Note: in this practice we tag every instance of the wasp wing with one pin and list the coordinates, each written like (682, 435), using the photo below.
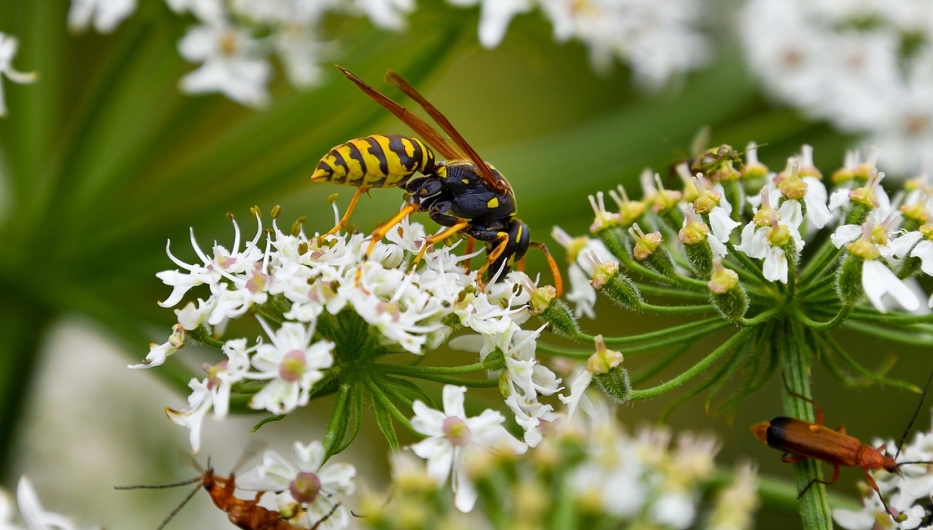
(484, 169)
(427, 133)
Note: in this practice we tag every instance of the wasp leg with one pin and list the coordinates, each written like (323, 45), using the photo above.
(346, 215)
(470, 244)
(492, 256)
(558, 280)
(380, 233)
(463, 223)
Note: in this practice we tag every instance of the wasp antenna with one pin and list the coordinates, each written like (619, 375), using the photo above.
(914, 417)
(159, 486)
(179, 507)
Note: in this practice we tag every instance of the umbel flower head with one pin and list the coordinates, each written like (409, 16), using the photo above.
(334, 321)
(780, 258)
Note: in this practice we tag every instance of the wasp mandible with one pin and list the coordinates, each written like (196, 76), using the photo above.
(462, 193)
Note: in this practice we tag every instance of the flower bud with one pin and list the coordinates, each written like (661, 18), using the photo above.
(753, 169)
(615, 384)
(560, 317)
(623, 291)
(849, 280)
(606, 367)
(629, 211)
(726, 293)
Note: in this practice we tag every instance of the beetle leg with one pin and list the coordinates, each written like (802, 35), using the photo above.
(346, 215)
(791, 458)
(819, 410)
(832, 480)
(874, 486)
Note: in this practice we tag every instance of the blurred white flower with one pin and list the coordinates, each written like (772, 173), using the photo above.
(8, 47)
(233, 63)
(873, 79)
(106, 15)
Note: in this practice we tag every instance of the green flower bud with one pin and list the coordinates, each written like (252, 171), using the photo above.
(726, 293)
(849, 280)
(623, 291)
(615, 384)
(560, 317)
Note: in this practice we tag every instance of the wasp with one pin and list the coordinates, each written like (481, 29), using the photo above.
(801, 439)
(246, 514)
(463, 193)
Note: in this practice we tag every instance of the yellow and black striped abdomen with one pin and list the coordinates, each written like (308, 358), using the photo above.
(376, 161)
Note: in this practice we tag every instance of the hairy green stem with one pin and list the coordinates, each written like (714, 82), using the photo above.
(795, 359)
(696, 369)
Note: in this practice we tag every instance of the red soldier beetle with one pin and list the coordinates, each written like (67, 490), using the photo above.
(801, 439)
(244, 513)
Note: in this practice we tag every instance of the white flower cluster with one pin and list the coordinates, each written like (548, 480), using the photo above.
(235, 41)
(867, 67)
(30, 510)
(787, 211)
(658, 39)
(303, 280)
(907, 492)
(306, 491)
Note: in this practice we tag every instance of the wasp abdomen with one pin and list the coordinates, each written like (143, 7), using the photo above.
(376, 161)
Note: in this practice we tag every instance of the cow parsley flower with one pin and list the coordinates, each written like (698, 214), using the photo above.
(452, 437)
(308, 490)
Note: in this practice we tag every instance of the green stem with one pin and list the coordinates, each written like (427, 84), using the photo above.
(23, 323)
(872, 315)
(819, 263)
(696, 369)
(760, 318)
(419, 371)
(658, 290)
(795, 359)
(902, 337)
(337, 427)
(836, 321)
(674, 310)
(670, 337)
(379, 396)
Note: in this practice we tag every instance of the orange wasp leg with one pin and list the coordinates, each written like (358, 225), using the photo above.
(460, 225)
(346, 215)
(380, 233)
(492, 256)
(555, 271)
(470, 245)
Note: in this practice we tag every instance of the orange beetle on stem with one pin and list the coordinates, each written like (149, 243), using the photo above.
(801, 439)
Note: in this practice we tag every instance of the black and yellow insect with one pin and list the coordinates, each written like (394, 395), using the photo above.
(463, 193)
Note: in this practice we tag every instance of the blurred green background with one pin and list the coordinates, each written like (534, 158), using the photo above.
(103, 159)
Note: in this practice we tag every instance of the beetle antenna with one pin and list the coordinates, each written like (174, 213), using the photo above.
(159, 486)
(178, 508)
(914, 417)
